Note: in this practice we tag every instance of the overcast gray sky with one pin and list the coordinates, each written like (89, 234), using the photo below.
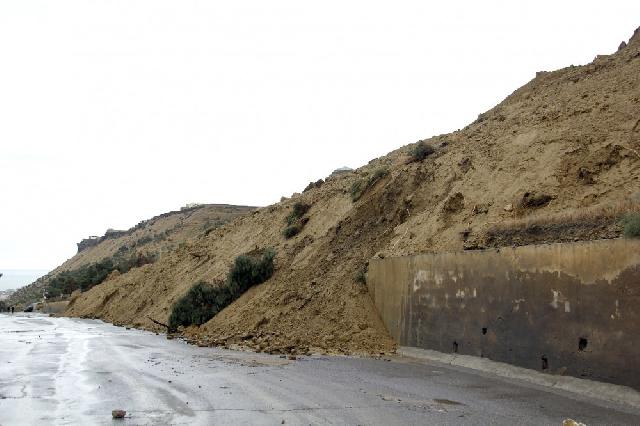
(114, 111)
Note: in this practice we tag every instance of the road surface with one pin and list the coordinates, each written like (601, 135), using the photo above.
(71, 371)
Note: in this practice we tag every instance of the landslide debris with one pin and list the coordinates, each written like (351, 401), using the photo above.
(565, 142)
(149, 238)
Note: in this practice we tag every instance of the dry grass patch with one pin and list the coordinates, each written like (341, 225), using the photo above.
(580, 225)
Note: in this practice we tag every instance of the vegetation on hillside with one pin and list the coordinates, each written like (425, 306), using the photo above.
(631, 225)
(359, 187)
(203, 301)
(160, 234)
(419, 151)
(93, 274)
(296, 220)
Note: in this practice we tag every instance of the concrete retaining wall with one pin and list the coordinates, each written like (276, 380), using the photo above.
(561, 308)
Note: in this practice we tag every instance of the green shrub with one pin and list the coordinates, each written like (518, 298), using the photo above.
(199, 305)
(631, 225)
(291, 231)
(361, 276)
(419, 151)
(299, 210)
(248, 271)
(87, 276)
(142, 241)
(136, 260)
(203, 301)
(316, 184)
(378, 174)
(359, 187)
(295, 220)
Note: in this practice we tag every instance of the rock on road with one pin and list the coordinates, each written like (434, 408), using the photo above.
(71, 371)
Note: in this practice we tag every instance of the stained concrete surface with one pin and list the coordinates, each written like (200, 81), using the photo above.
(568, 309)
(71, 371)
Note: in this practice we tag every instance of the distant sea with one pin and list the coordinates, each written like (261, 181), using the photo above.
(16, 278)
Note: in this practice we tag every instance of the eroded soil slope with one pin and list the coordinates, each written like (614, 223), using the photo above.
(565, 143)
(155, 236)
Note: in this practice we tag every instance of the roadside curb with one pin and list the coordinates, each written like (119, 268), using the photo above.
(591, 388)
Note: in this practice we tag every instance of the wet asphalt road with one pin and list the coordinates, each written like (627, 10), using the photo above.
(69, 371)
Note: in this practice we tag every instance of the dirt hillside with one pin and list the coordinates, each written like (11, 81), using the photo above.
(157, 236)
(558, 159)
